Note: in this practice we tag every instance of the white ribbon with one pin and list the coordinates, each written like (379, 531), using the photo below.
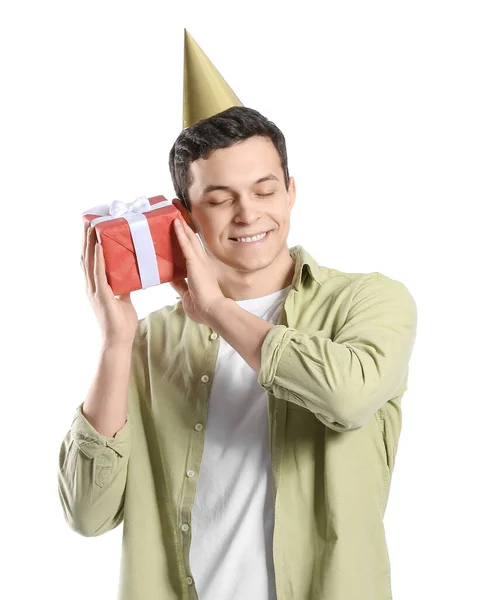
(140, 232)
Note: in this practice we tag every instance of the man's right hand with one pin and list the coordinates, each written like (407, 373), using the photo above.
(117, 317)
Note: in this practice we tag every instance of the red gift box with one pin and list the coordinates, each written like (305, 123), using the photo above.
(121, 264)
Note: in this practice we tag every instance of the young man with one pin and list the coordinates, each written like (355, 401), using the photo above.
(264, 408)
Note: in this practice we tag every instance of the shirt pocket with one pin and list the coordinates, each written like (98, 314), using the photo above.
(102, 471)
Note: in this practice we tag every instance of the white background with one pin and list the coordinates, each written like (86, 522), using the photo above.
(379, 105)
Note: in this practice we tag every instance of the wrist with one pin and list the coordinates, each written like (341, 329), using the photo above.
(218, 310)
(119, 345)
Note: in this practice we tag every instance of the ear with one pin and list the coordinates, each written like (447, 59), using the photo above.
(292, 192)
(184, 213)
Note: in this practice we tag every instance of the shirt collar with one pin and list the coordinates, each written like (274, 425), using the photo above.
(303, 260)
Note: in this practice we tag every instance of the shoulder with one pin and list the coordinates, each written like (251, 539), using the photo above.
(359, 291)
(361, 280)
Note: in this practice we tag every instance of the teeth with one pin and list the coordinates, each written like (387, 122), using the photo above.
(252, 239)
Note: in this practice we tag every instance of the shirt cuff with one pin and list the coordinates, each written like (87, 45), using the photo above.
(92, 443)
(274, 343)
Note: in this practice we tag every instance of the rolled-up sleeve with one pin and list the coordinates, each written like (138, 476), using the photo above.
(345, 380)
(92, 473)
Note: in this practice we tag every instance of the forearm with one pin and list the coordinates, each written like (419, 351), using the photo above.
(94, 454)
(105, 407)
(243, 331)
(344, 379)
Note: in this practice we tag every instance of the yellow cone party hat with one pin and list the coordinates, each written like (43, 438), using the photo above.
(205, 92)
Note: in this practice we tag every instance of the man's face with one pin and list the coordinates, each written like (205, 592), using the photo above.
(240, 192)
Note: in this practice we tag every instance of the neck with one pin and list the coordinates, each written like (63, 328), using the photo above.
(241, 285)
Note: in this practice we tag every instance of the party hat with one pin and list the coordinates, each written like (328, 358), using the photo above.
(205, 92)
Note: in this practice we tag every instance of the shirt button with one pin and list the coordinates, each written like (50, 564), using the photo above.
(213, 336)
(190, 473)
(185, 527)
(189, 581)
(198, 426)
(205, 378)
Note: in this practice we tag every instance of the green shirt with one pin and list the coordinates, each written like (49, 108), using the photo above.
(335, 369)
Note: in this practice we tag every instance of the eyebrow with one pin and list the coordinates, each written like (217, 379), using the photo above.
(212, 188)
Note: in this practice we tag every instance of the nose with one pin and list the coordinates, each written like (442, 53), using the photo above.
(247, 209)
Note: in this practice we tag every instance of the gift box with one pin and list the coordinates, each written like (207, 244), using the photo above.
(139, 242)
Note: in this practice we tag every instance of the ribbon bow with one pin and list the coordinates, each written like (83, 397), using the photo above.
(119, 208)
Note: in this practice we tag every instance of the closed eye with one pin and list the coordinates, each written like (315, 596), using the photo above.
(218, 203)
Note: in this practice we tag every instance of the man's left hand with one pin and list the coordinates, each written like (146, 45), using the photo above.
(202, 292)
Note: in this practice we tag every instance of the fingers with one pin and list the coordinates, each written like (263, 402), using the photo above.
(98, 265)
(89, 260)
(188, 240)
(194, 239)
(93, 264)
(83, 248)
(101, 282)
(181, 235)
(189, 233)
(180, 286)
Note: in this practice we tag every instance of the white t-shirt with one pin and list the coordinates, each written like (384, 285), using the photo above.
(231, 554)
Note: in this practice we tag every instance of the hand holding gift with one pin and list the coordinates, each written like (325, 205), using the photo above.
(202, 293)
(117, 317)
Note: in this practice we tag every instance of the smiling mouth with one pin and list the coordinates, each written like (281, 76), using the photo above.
(254, 243)
(250, 236)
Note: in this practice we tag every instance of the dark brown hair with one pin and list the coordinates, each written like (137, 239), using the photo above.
(219, 131)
